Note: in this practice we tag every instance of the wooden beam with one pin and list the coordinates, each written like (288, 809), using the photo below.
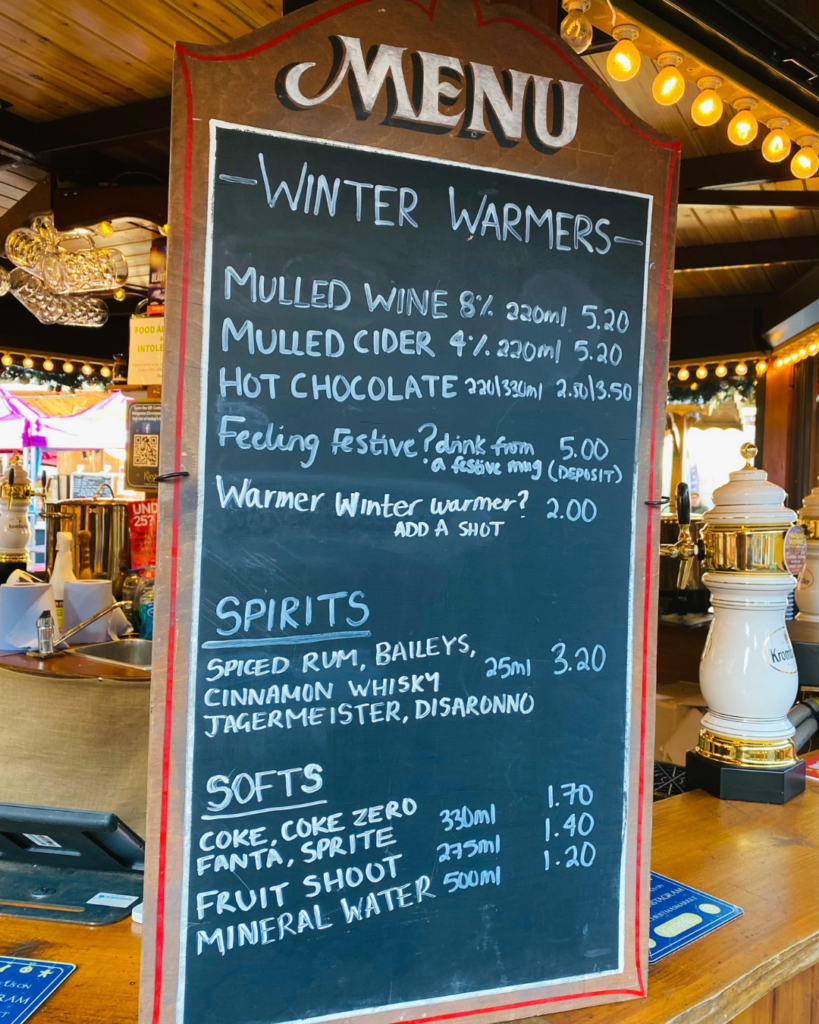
(710, 305)
(790, 199)
(743, 167)
(17, 138)
(111, 126)
(712, 334)
(36, 142)
(794, 310)
(79, 207)
(747, 254)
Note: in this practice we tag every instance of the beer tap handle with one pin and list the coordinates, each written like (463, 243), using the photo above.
(11, 485)
(686, 548)
(683, 497)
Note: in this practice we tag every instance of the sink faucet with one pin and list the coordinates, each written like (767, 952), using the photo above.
(45, 634)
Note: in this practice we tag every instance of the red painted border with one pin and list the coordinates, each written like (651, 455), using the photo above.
(159, 942)
(674, 148)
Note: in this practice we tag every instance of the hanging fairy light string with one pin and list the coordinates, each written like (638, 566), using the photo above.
(16, 365)
(700, 381)
(625, 59)
(693, 372)
(690, 373)
(804, 347)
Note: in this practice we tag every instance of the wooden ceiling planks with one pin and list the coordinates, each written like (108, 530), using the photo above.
(737, 281)
(28, 91)
(122, 64)
(58, 59)
(63, 57)
(708, 225)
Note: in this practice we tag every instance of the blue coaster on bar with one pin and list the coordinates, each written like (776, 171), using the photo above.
(26, 984)
(680, 914)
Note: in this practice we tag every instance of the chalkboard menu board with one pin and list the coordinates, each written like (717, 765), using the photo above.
(405, 586)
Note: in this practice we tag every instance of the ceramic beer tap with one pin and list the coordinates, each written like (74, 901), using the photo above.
(15, 533)
(748, 673)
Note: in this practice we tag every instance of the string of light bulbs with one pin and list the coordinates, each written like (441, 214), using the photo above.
(623, 62)
(796, 353)
(48, 365)
(681, 371)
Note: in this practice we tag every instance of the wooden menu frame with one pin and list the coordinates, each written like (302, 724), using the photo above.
(237, 83)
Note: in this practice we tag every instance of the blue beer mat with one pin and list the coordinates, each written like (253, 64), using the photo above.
(680, 914)
(26, 984)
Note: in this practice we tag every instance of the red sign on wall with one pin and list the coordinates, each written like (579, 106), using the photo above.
(142, 525)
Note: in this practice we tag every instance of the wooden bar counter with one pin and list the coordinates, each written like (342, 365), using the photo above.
(755, 970)
(74, 733)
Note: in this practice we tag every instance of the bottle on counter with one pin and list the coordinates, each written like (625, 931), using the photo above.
(62, 571)
(130, 585)
(144, 601)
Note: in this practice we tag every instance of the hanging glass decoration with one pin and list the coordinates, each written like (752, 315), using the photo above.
(70, 310)
(66, 261)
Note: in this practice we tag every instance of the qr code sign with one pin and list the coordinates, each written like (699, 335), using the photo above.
(146, 450)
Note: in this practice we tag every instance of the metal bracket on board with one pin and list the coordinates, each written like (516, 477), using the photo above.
(170, 476)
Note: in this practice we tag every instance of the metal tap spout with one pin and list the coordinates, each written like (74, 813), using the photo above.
(43, 652)
(685, 547)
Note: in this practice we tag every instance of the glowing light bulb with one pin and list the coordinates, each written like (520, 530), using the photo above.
(6, 360)
(812, 347)
(576, 29)
(683, 374)
(806, 162)
(761, 367)
(119, 294)
(702, 372)
(68, 367)
(48, 366)
(28, 362)
(776, 146)
(86, 369)
(803, 353)
(786, 360)
(721, 370)
(707, 107)
(668, 87)
(743, 126)
(105, 228)
(105, 371)
(694, 386)
(623, 61)
(778, 364)
(740, 369)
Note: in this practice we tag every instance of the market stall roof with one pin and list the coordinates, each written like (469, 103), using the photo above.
(103, 423)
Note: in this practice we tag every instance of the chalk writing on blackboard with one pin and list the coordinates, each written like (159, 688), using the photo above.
(414, 568)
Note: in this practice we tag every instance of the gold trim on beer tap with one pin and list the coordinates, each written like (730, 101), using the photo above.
(751, 753)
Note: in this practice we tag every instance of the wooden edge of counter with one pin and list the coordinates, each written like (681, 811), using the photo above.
(73, 666)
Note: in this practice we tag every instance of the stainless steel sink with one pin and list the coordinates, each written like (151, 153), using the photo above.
(135, 653)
